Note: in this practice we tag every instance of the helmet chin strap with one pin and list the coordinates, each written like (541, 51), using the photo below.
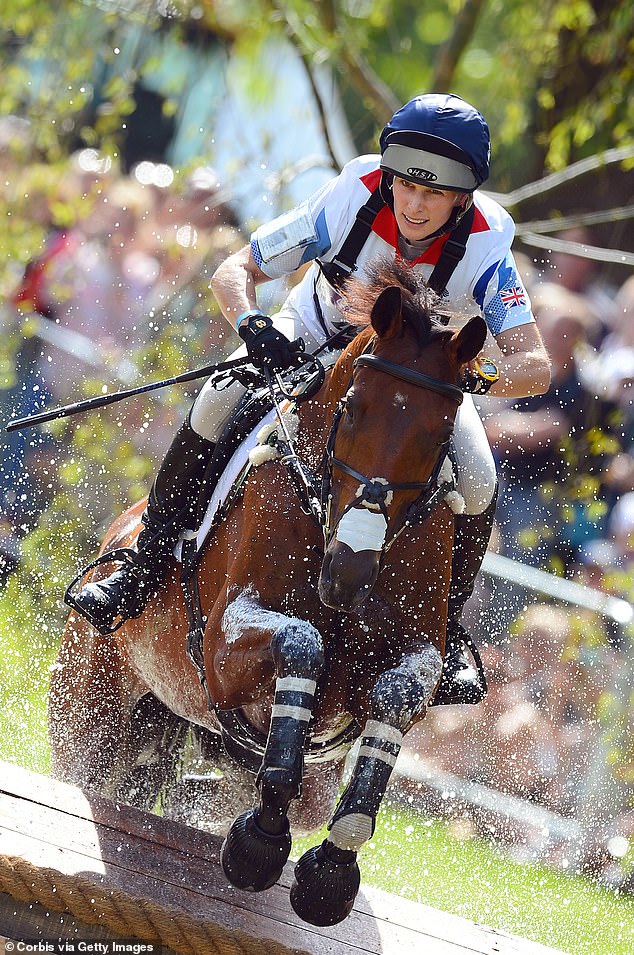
(454, 218)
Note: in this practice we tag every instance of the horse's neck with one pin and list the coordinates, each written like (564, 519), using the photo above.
(316, 415)
(315, 418)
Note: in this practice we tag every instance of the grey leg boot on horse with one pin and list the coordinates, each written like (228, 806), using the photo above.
(171, 506)
(461, 681)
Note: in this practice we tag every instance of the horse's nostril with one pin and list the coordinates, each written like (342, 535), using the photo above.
(346, 577)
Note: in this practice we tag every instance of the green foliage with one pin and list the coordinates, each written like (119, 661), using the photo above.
(552, 79)
(598, 40)
(29, 637)
(53, 99)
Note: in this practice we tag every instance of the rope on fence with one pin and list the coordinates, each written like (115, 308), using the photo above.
(139, 918)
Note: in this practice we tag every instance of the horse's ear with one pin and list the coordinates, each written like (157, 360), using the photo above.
(386, 316)
(470, 339)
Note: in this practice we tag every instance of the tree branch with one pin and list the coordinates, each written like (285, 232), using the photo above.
(380, 99)
(449, 54)
(297, 46)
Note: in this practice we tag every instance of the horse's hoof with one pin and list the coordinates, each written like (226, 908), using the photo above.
(326, 883)
(252, 859)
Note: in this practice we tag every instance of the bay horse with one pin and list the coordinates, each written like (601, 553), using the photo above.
(317, 633)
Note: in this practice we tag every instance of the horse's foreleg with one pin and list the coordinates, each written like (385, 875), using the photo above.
(259, 842)
(327, 877)
(299, 660)
(398, 697)
(90, 703)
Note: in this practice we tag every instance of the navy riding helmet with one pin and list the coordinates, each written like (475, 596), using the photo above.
(437, 139)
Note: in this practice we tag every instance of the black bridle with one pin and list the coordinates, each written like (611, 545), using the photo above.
(410, 375)
(374, 492)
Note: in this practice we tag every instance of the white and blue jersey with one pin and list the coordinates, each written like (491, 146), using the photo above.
(486, 277)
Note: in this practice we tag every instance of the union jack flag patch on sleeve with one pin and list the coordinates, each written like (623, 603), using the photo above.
(513, 296)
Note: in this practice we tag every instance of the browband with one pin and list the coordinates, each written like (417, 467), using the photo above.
(413, 377)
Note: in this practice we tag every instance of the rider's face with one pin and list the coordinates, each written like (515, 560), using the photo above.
(422, 210)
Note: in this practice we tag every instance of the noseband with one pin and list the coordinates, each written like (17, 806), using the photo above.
(374, 493)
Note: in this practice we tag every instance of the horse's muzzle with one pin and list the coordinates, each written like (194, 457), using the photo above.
(347, 577)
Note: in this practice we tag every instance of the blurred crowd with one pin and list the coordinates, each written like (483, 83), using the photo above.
(125, 261)
(554, 731)
(115, 296)
(556, 727)
(565, 458)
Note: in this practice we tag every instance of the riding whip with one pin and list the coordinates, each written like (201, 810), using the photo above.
(89, 404)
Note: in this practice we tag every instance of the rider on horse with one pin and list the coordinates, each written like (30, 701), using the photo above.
(418, 201)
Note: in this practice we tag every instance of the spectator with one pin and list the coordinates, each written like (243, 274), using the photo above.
(549, 449)
(607, 563)
(611, 369)
(578, 271)
(534, 733)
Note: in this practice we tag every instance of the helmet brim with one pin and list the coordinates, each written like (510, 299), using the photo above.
(428, 169)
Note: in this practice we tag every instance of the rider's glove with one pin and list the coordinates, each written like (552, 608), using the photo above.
(266, 347)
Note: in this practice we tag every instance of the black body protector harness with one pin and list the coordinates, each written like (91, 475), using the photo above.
(345, 261)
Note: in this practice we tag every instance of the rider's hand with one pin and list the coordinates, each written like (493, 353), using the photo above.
(266, 347)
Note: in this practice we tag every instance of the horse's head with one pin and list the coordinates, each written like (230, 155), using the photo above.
(398, 390)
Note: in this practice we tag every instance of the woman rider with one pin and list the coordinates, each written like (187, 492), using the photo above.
(420, 201)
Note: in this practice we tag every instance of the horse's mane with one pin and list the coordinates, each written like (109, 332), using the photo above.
(420, 303)
(419, 306)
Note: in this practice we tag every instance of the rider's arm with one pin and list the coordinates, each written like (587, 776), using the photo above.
(524, 365)
(287, 243)
(234, 283)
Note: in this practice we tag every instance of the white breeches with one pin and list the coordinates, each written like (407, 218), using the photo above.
(473, 461)
(476, 477)
(212, 408)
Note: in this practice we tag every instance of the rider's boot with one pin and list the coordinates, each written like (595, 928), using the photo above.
(461, 681)
(171, 506)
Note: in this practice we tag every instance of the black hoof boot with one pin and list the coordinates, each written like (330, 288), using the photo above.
(252, 859)
(327, 880)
